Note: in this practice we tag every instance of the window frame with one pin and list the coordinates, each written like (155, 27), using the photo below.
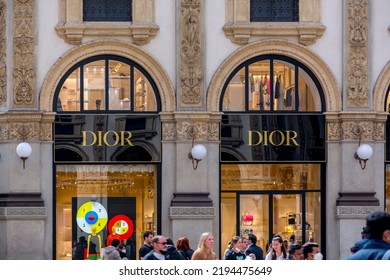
(240, 30)
(73, 29)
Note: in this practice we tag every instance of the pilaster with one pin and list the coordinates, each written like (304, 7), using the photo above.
(24, 93)
(191, 93)
(356, 57)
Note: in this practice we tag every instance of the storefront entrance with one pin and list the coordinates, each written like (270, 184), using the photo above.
(265, 200)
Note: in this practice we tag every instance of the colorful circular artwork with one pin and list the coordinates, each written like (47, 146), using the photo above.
(91, 214)
(123, 225)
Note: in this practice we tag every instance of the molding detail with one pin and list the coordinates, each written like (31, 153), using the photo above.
(239, 29)
(3, 67)
(23, 49)
(38, 126)
(191, 212)
(23, 213)
(191, 78)
(342, 127)
(178, 126)
(357, 53)
(72, 28)
(355, 212)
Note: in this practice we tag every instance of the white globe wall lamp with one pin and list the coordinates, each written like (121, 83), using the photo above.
(198, 151)
(364, 151)
(24, 150)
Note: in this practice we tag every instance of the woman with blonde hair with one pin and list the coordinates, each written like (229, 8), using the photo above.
(205, 248)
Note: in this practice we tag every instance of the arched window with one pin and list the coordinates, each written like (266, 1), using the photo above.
(272, 83)
(106, 83)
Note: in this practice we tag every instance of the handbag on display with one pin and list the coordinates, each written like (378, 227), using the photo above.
(247, 217)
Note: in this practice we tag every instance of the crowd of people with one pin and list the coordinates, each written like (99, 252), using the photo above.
(374, 245)
(375, 242)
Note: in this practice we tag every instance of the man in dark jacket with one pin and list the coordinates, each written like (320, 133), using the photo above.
(378, 227)
(253, 248)
(159, 251)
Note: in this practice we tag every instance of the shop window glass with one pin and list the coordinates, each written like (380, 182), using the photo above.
(144, 97)
(69, 96)
(97, 202)
(234, 96)
(272, 84)
(94, 86)
(107, 85)
(274, 10)
(270, 177)
(308, 95)
(119, 85)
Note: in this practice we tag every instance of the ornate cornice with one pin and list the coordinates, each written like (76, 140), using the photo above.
(241, 33)
(3, 67)
(73, 29)
(357, 53)
(350, 126)
(240, 30)
(26, 126)
(191, 77)
(180, 126)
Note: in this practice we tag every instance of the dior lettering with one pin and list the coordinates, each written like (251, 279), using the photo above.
(99, 138)
(273, 138)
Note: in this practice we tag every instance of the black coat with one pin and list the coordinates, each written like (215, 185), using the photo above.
(254, 249)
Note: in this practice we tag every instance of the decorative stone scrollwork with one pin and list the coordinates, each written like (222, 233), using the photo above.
(357, 62)
(190, 54)
(3, 68)
(24, 69)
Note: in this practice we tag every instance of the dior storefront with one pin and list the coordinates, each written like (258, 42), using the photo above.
(111, 111)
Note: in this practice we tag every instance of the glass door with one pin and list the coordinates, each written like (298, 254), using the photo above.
(266, 215)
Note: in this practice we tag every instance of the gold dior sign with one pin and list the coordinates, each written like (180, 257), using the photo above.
(98, 138)
(274, 138)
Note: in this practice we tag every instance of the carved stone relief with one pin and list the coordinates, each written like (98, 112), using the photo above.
(3, 68)
(26, 126)
(357, 53)
(191, 78)
(182, 130)
(370, 127)
(23, 40)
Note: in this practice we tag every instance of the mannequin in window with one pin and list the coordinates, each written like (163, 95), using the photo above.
(94, 244)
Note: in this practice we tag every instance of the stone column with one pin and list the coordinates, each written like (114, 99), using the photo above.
(191, 194)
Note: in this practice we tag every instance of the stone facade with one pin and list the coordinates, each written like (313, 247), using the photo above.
(190, 68)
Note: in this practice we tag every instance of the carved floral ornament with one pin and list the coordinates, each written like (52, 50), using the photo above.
(351, 130)
(190, 55)
(357, 46)
(3, 68)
